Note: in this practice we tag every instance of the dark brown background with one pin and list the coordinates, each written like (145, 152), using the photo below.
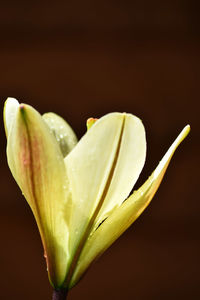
(87, 58)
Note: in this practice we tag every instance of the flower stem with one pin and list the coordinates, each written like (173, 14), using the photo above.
(60, 294)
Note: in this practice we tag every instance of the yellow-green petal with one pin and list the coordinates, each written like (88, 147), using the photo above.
(88, 166)
(63, 133)
(37, 165)
(123, 216)
(129, 163)
(102, 170)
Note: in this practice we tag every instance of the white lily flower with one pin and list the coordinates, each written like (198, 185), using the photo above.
(79, 192)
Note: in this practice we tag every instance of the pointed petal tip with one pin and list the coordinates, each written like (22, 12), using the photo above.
(22, 107)
(23, 111)
(185, 131)
(187, 128)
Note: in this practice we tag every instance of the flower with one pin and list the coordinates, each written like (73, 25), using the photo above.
(79, 192)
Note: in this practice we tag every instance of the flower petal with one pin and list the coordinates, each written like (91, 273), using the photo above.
(63, 133)
(102, 170)
(129, 164)
(38, 167)
(10, 107)
(123, 216)
(88, 167)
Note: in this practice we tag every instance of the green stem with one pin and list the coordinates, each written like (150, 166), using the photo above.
(60, 294)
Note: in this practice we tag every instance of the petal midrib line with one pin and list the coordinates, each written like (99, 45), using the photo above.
(98, 208)
(36, 208)
(32, 181)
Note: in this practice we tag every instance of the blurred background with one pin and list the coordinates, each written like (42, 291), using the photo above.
(83, 59)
